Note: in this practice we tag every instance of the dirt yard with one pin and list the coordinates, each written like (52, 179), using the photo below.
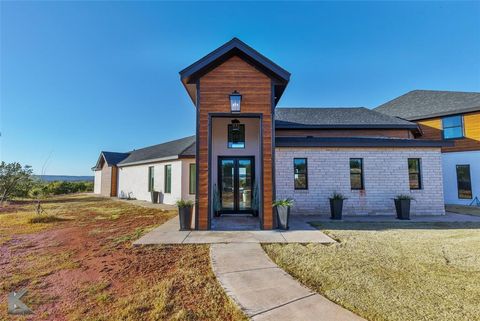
(77, 263)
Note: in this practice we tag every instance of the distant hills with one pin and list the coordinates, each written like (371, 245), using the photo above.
(52, 178)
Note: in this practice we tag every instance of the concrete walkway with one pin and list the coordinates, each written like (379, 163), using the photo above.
(266, 292)
(168, 233)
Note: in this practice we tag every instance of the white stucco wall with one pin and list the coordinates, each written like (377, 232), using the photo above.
(385, 176)
(97, 182)
(450, 161)
(134, 180)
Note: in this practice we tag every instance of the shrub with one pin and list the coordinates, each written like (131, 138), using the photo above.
(288, 202)
(184, 203)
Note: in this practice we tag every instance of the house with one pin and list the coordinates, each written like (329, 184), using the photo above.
(452, 116)
(246, 152)
(167, 167)
(106, 173)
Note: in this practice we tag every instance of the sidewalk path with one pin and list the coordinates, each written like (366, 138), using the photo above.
(266, 292)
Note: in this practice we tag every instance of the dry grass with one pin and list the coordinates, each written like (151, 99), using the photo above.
(77, 263)
(463, 209)
(401, 271)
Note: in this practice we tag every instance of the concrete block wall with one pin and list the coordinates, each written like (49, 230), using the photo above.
(385, 172)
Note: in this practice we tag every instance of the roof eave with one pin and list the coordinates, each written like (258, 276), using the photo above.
(447, 113)
(148, 161)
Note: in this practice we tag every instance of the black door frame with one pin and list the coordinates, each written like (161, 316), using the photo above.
(236, 187)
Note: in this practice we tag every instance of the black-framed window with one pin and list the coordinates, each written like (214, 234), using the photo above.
(300, 170)
(356, 173)
(414, 173)
(151, 178)
(236, 137)
(464, 182)
(193, 178)
(452, 127)
(168, 179)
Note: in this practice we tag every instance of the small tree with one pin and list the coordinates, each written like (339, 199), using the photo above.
(13, 179)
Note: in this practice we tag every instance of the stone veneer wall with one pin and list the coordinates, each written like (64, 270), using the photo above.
(385, 172)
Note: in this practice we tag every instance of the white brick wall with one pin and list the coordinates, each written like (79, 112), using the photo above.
(385, 176)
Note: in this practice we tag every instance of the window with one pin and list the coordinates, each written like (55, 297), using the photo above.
(414, 173)
(300, 173)
(151, 179)
(168, 179)
(464, 183)
(356, 173)
(193, 179)
(452, 127)
(236, 136)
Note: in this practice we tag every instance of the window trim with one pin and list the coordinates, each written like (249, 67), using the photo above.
(362, 183)
(419, 174)
(151, 178)
(229, 129)
(190, 185)
(306, 174)
(462, 126)
(470, 181)
(169, 182)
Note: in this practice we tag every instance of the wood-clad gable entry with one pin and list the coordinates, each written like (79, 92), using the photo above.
(214, 89)
(432, 129)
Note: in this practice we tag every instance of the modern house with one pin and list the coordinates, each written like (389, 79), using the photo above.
(452, 116)
(247, 152)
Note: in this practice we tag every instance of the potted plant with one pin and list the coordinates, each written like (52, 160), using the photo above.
(336, 206)
(185, 209)
(154, 196)
(402, 206)
(282, 207)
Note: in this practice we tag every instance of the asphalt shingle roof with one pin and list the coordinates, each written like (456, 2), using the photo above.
(179, 147)
(113, 158)
(356, 117)
(421, 104)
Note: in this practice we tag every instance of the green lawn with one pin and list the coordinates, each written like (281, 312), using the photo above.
(392, 271)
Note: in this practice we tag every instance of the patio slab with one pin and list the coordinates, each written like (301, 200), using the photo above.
(168, 233)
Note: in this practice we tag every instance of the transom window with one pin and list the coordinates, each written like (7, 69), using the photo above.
(414, 173)
(356, 173)
(464, 182)
(452, 127)
(236, 134)
(300, 173)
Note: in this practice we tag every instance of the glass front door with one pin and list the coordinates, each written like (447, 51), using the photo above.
(235, 181)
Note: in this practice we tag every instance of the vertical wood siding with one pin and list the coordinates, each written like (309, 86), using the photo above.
(215, 88)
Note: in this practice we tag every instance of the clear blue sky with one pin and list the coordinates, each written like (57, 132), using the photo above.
(81, 77)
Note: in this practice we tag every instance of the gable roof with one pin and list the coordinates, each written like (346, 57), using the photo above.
(337, 118)
(189, 75)
(421, 104)
(169, 150)
(111, 158)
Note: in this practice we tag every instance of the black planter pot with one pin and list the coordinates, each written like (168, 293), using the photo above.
(185, 215)
(283, 216)
(336, 208)
(403, 209)
(154, 196)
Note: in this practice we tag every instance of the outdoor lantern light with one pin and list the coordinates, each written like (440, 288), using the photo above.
(235, 125)
(235, 101)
